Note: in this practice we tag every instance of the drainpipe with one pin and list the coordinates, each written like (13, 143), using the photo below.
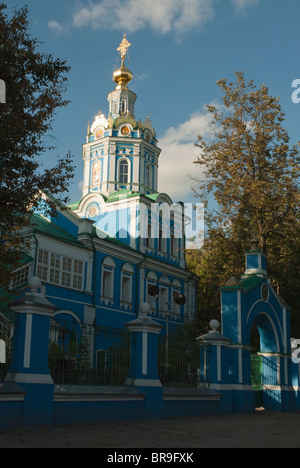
(36, 253)
(94, 269)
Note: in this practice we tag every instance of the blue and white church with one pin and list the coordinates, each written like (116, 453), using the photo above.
(104, 255)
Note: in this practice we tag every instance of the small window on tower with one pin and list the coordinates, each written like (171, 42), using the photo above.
(123, 107)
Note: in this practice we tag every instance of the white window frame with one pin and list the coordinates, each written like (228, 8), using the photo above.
(60, 270)
(108, 274)
(123, 103)
(126, 276)
(20, 276)
(124, 159)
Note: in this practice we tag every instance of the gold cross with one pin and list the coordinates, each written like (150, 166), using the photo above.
(124, 46)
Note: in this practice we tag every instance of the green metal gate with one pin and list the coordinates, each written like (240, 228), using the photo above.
(257, 379)
(265, 375)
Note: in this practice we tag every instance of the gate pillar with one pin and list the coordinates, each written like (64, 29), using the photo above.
(144, 361)
(29, 366)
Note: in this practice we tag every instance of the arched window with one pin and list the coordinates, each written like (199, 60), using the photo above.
(123, 172)
(163, 235)
(123, 107)
(174, 241)
(108, 269)
(126, 283)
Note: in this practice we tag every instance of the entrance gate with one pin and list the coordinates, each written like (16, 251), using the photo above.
(265, 375)
(248, 300)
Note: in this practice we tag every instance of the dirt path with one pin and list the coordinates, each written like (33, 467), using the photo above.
(269, 430)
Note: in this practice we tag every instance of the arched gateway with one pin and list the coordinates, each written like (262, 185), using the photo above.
(250, 303)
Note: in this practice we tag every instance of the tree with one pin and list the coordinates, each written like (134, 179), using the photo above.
(35, 83)
(252, 173)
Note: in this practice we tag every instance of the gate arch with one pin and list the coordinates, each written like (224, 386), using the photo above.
(269, 326)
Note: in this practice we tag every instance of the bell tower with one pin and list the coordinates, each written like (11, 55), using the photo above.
(120, 152)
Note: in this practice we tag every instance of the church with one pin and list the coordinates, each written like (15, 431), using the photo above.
(123, 242)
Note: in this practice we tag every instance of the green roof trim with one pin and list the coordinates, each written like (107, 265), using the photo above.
(74, 206)
(153, 196)
(126, 193)
(250, 282)
(115, 196)
(245, 283)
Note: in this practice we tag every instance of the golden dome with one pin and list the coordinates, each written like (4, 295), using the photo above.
(122, 76)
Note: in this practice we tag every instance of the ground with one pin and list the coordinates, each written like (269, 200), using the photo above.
(261, 430)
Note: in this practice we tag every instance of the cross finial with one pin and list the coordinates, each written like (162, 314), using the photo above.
(123, 48)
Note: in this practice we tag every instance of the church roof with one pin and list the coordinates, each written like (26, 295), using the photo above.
(44, 226)
(246, 283)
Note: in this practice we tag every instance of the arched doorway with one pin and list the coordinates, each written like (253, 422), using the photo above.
(265, 363)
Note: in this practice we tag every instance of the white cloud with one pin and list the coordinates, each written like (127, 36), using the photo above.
(241, 5)
(56, 27)
(163, 16)
(178, 154)
(130, 15)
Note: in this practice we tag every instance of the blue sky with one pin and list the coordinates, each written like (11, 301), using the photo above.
(180, 49)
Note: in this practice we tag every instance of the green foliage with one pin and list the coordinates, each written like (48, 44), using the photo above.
(35, 83)
(252, 174)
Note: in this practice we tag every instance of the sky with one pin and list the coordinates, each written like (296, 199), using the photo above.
(180, 49)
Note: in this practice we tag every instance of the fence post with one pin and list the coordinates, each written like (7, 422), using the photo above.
(216, 348)
(29, 366)
(144, 361)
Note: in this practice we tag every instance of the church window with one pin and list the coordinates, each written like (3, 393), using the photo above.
(162, 240)
(20, 277)
(126, 288)
(174, 242)
(108, 268)
(163, 299)
(149, 233)
(124, 172)
(126, 283)
(78, 272)
(60, 270)
(123, 106)
(107, 284)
